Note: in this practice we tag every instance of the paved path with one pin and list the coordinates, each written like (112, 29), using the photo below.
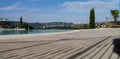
(87, 48)
(84, 44)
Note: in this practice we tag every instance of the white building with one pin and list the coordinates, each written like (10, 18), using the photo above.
(3, 19)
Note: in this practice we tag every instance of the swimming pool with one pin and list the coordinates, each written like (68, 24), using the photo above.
(14, 32)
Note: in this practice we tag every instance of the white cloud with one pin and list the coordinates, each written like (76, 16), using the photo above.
(16, 7)
(31, 17)
(32, 0)
(11, 7)
(100, 6)
(29, 10)
(80, 11)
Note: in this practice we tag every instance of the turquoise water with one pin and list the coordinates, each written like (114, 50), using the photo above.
(14, 32)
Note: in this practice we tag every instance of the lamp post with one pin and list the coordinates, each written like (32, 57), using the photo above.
(106, 22)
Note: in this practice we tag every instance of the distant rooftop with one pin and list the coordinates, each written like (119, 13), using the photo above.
(3, 19)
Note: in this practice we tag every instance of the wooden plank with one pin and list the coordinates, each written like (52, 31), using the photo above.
(61, 49)
(89, 52)
(108, 54)
(114, 56)
(71, 51)
(75, 52)
(98, 55)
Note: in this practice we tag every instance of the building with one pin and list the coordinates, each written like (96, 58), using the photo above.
(4, 23)
(3, 19)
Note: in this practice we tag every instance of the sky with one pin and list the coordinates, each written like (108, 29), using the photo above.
(75, 11)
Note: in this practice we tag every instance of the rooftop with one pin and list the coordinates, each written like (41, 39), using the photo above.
(3, 19)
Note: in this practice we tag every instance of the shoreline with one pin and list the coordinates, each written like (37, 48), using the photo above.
(83, 33)
(41, 33)
(12, 29)
(7, 37)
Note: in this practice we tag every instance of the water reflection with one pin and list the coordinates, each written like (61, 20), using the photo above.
(8, 32)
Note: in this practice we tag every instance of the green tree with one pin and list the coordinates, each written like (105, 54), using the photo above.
(5, 23)
(25, 25)
(21, 21)
(115, 14)
(92, 19)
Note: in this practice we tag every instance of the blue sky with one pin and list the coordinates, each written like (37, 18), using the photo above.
(76, 11)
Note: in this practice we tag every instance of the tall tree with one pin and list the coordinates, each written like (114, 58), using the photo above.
(115, 14)
(92, 19)
(21, 21)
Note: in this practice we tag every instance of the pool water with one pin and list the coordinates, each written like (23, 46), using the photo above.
(14, 32)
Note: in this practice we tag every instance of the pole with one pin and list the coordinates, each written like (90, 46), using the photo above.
(106, 22)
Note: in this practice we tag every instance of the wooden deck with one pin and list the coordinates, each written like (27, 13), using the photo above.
(77, 48)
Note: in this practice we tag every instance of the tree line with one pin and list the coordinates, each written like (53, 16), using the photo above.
(114, 13)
